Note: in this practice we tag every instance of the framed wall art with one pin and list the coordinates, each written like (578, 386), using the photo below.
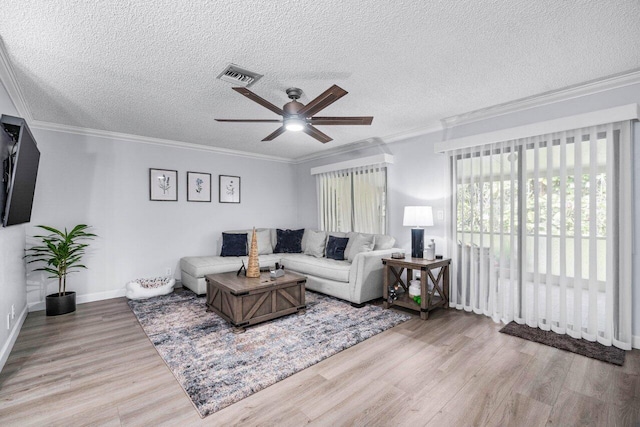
(229, 191)
(198, 187)
(163, 185)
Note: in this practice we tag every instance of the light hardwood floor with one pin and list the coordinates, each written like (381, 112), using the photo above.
(97, 367)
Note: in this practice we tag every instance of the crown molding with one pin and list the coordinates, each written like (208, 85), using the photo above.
(376, 159)
(433, 126)
(345, 148)
(371, 142)
(575, 91)
(10, 82)
(54, 127)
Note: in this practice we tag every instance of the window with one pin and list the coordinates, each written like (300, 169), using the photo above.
(541, 224)
(353, 199)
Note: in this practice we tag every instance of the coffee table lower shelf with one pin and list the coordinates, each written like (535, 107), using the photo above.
(244, 301)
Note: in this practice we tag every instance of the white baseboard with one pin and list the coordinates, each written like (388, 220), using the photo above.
(81, 299)
(13, 336)
(635, 341)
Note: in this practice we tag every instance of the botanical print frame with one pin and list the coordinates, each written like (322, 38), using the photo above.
(229, 189)
(163, 185)
(198, 187)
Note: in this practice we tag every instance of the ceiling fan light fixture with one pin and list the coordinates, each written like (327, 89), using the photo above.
(294, 124)
(298, 117)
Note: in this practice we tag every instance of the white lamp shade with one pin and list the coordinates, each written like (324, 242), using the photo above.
(417, 216)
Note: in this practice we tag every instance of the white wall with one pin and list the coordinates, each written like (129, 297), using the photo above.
(417, 177)
(12, 269)
(105, 183)
(420, 176)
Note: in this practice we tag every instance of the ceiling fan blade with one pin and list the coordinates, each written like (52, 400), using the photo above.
(365, 120)
(310, 130)
(249, 120)
(252, 96)
(275, 134)
(325, 99)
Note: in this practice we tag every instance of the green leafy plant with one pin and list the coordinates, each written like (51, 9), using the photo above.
(61, 252)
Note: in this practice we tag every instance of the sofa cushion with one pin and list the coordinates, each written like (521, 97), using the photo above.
(336, 247)
(383, 241)
(289, 241)
(234, 244)
(314, 242)
(319, 267)
(203, 265)
(264, 242)
(199, 266)
(358, 243)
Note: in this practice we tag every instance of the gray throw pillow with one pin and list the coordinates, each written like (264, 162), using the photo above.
(383, 241)
(264, 241)
(359, 243)
(314, 243)
(352, 236)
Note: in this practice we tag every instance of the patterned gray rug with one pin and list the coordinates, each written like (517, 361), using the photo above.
(586, 348)
(216, 367)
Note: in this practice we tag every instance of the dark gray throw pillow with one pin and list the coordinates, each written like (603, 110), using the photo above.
(289, 241)
(336, 246)
(234, 244)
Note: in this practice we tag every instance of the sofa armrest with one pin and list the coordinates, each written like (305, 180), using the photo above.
(365, 276)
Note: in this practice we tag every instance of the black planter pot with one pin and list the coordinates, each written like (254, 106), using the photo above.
(61, 304)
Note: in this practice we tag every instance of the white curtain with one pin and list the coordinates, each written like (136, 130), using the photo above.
(334, 200)
(543, 231)
(353, 200)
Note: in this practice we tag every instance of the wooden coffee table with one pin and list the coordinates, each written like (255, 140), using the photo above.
(245, 301)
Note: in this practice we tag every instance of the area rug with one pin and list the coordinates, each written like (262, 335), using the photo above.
(216, 367)
(586, 348)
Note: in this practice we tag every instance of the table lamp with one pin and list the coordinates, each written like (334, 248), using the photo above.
(417, 216)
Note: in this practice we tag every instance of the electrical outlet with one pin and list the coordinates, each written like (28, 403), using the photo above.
(8, 321)
(440, 215)
(13, 311)
(168, 271)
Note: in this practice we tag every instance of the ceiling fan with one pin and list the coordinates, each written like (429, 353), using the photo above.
(299, 117)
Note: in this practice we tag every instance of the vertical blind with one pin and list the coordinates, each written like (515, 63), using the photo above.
(353, 199)
(543, 232)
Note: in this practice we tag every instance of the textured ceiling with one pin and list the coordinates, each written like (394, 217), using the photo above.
(149, 68)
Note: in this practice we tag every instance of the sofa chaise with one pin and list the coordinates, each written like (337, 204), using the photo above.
(357, 278)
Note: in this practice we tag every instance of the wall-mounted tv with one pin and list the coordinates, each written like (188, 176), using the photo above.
(20, 158)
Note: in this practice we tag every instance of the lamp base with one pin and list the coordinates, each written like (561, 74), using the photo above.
(417, 242)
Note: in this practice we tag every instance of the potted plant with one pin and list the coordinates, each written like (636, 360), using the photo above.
(61, 252)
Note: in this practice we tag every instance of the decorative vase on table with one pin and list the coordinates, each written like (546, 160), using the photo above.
(253, 269)
(430, 253)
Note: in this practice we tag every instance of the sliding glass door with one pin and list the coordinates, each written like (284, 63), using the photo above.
(537, 232)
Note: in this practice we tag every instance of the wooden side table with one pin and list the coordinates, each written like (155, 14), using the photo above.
(437, 297)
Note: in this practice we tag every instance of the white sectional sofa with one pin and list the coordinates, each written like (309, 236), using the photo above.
(356, 279)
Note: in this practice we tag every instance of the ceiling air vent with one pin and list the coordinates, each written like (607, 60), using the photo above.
(239, 76)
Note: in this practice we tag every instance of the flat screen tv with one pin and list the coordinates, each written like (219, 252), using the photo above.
(20, 159)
